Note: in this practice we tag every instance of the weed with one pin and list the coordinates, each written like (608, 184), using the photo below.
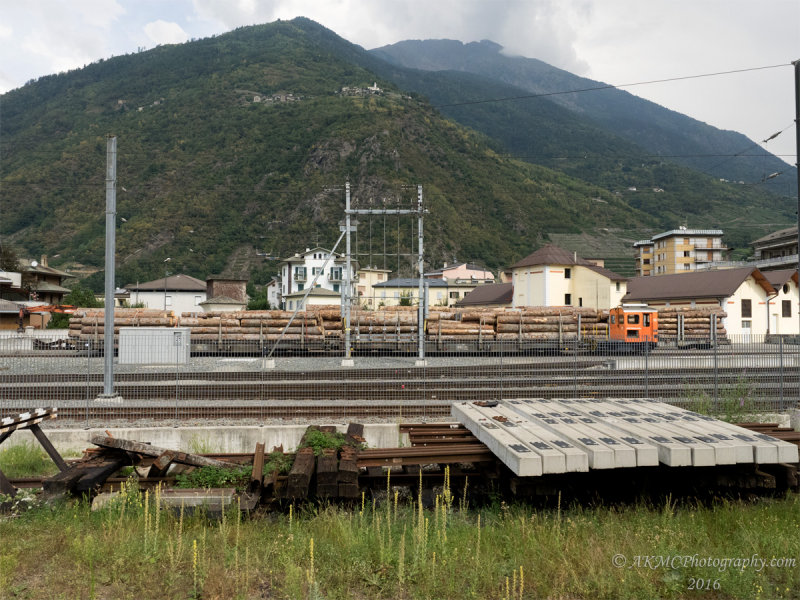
(26, 460)
(277, 461)
(215, 477)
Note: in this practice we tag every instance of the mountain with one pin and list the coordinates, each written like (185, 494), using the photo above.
(655, 129)
(235, 149)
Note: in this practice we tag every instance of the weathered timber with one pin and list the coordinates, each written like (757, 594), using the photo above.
(85, 475)
(300, 476)
(185, 458)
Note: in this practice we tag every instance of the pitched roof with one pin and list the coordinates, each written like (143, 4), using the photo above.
(173, 283)
(492, 293)
(409, 282)
(780, 276)
(700, 284)
(43, 286)
(553, 255)
(550, 255)
(788, 232)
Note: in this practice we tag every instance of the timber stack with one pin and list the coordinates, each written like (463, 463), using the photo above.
(697, 322)
(545, 323)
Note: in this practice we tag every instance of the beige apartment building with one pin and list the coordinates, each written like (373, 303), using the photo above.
(678, 251)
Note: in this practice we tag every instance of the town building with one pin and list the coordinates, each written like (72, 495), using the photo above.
(395, 292)
(678, 251)
(176, 293)
(746, 294)
(462, 271)
(317, 296)
(776, 250)
(552, 276)
(318, 267)
(492, 295)
(365, 286)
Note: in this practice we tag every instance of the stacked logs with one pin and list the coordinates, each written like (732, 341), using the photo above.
(89, 324)
(696, 322)
(457, 325)
(206, 326)
(401, 320)
(542, 323)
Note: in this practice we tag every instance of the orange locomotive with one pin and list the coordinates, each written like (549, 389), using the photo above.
(634, 324)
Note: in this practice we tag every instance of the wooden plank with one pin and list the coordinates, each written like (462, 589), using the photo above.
(257, 474)
(87, 474)
(161, 464)
(300, 475)
(194, 460)
(44, 441)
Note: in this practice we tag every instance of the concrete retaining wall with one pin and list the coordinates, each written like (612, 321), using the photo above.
(207, 439)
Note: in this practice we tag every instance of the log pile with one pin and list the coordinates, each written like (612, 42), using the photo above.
(88, 324)
(262, 325)
(461, 325)
(542, 323)
(696, 322)
(400, 320)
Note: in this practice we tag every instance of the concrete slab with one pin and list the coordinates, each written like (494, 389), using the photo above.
(646, 454)
(558, 455)
(515, 454)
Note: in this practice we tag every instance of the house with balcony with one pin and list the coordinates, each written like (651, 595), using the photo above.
(776, 250)
(679, 250)
(317, 267)
(552, 276)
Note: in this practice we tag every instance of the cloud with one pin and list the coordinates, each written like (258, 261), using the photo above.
(163, 32)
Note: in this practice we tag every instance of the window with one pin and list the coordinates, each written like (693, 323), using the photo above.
(291, 304)
(336, 288)
(299, 287)
(687, 267)
(568, 299)
(300, 273)
(747, 309)
(633, 319)
(617, 286)
(632, 333)
(168, 300)
(316, 271)
(785, 288)
(686, 254)
(580, 301)
(336, 273)
(612, 319)
(197, 300)
(786, 307)
(567, 273)
(746, 325)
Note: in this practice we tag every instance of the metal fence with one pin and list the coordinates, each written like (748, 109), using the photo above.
(176, 381)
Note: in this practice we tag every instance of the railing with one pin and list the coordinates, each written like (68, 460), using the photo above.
(235, 382)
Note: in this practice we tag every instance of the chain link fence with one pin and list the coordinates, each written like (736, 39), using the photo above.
(174, 380)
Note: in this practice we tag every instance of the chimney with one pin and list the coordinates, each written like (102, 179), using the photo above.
(43, 262)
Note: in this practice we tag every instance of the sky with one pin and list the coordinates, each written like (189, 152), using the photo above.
(613, 41)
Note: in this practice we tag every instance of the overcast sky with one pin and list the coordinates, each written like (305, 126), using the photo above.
(614, 41)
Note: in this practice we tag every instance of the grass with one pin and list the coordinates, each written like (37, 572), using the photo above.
(26, 460)
(397, 550)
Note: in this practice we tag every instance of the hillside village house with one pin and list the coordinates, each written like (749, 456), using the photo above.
(462, 271)
(300, 271)
(367, 278)
(440, 292)
(317, 296)
(743, 293)
(678, 251)
(36, 282)
(777, 249)
(492, 295)
(552, 276)
(224, 294)
(176, 293)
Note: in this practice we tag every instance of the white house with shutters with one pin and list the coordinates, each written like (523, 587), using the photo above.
(317, 267)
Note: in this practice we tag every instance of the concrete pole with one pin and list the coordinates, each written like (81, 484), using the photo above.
(111, 226)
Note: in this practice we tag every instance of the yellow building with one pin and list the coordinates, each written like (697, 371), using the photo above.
(678, 251)
(368, 297)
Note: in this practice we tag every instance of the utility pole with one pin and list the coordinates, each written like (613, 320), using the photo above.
(111, 227)
(348, 279)
(797, 162)
(422, 299)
